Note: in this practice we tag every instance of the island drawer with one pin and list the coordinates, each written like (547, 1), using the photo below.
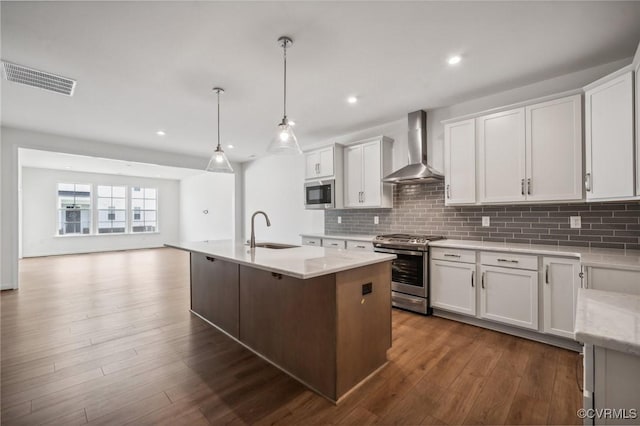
(453, 255)
(509, 260)
(311, 241)
(333, 243)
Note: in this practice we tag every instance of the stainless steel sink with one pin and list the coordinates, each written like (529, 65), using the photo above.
(276, 246)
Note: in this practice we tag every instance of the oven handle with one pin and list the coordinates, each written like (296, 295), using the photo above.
(394, 251)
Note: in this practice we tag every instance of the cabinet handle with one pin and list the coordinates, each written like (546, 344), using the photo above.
(361, 247)
(311, 242)
(508, 260)
(451, 255)
(363, 197)
(210, 259)
(448, 191)
(472, 274)
(546, 274)
(276, 275)
(522, 186)
(334, 244)
(528, 186)
(587, 182)
(482, 280)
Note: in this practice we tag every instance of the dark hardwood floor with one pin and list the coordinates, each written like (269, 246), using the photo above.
(108, 339)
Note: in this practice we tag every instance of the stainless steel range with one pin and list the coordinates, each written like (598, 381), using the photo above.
(410, 271)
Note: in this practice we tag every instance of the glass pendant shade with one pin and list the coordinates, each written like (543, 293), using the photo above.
(219, 162)
(284, 141)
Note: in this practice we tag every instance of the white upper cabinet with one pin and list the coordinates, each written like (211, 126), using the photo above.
(319, 163)
(637, 129)
(365, 165)
(501, 151)
(554, 150)
(609, 140)
(460, 162)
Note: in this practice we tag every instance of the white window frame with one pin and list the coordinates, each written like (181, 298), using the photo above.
(58, 209)
(131, 210)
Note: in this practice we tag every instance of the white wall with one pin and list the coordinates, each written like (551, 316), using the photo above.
(213, 193)
(12, 139)
(39, 214)
(274, 184)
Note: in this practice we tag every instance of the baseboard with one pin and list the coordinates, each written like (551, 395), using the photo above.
(7, 287)
(561, 342)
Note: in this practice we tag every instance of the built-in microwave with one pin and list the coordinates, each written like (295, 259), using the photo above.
(320, 194)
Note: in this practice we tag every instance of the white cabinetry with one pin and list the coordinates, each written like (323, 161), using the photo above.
(609, 279)
(320, 163)
(561, 282)
(509, 295)
(637, 129)
(460, 162)
(311, 241)
(453, 286)
(333, 243)
(554, 150)
(609, 140)
(501, 150)
(532, 153)
(366, 163)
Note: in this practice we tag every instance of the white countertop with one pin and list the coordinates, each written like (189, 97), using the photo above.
(298, 262)
(609, 258)
(608, 319)
(353, 237)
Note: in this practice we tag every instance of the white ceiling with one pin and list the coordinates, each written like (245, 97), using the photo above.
(144, 66)
(81, 163)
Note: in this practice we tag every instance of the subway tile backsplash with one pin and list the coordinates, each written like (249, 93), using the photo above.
(420, 209)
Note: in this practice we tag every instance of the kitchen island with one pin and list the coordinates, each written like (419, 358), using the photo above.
(321, 315)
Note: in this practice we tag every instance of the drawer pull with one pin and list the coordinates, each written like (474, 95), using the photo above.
(276, 275)
(334, 244)
(210, 259)
(451, 255)
(311, 242)
(361, 247)
(508, 260)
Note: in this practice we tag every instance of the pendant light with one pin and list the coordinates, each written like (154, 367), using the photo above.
(219, 162)
(284, 141)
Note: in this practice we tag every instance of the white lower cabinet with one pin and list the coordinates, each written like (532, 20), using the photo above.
(453, 286)
(561, 282)
(609, 279)
(509, 296)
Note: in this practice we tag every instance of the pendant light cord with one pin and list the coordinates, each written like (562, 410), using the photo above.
(218, 118)
(285, 80)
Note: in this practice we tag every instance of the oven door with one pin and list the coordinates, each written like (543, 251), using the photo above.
(319, 195)
(408, 271)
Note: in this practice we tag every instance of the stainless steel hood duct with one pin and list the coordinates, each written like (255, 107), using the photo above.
(417, 171)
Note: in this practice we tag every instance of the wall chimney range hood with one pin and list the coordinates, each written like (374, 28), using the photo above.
(417, 171)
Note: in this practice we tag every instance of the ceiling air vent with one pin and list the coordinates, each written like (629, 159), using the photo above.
(40, 79)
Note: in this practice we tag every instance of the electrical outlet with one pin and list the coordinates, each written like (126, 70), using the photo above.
(575, 222)
(376, 220)
(486, 221)
(339, 219)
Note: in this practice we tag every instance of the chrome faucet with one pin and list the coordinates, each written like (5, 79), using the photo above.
(252, 243)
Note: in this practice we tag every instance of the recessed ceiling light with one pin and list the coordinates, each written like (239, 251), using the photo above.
(67, 167)
(230, 146)
(454, 60)
(352, 99)
(161, 133)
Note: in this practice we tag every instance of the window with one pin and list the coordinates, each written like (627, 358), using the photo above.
(74, 209)
(112, 210)
(144, 210)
